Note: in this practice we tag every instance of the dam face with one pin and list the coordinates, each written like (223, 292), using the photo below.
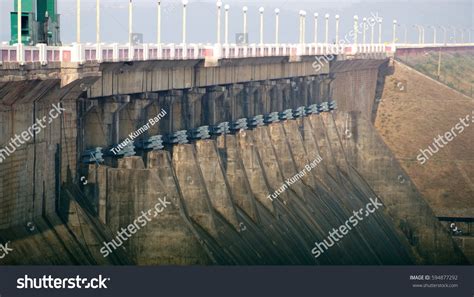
(267, 192)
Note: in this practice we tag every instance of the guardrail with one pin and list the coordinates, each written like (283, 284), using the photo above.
(82, 53)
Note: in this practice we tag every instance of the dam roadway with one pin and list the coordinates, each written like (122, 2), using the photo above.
(219, 186)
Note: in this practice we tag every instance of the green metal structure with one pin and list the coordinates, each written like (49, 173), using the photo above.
(39, 22)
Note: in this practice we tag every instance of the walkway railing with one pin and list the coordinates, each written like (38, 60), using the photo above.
(82, 53)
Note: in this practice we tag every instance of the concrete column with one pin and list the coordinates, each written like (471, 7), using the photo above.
(193, 108)
(265, 99)
(277, 96)
(176, 103)
(213, 106)
(235, 93)
(249, 104)
(286, 89)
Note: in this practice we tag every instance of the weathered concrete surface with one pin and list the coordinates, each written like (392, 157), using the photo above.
(66, 72)
(369, 155)
(354, 84)
(154, 76)
(216, 184)
(221, 212)
(236, 176)
(50, 240)
(184, 233)
(30, 176)
(227, 227)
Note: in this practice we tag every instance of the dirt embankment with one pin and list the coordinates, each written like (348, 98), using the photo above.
(415, 109)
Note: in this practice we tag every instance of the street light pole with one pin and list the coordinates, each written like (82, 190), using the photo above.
(372, 33)
(316, 27)
(301, 28)
(364, 29)
(19, 52)
(327, 28)
(158, 23)
(380, 31)
(226, 25)
(261, 10)
(337, 29)
(244, 10)
(356, 26)
(130, 22)
(394, 35)
(185, 4)
(219, 5)
(97, 10)
(304, 27)
(78, 20)
(277, 26)
(422, 35)
(97, 28)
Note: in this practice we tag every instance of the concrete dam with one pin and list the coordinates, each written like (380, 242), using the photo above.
(250, 161)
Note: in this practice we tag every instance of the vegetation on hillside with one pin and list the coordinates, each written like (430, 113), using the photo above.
(457, 69)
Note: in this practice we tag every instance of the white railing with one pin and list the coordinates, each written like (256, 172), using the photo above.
(82, 53)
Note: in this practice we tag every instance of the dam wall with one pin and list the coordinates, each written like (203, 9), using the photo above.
(221, 209)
